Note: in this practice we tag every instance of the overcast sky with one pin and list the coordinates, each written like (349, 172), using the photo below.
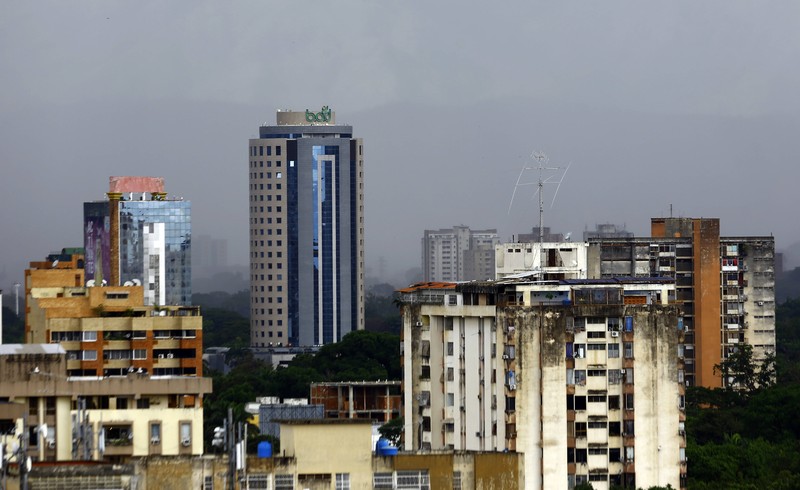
(687, 103)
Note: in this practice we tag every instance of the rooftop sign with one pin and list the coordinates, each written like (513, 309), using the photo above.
(323, 116)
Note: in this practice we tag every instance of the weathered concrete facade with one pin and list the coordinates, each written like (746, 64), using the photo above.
(547, 370)
(725, 286)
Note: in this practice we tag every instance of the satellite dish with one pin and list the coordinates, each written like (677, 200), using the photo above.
(568, 236)
(136, 282)
(90, 283)
(104, 282)
(55, 263)
(43, 430)
(128, 283)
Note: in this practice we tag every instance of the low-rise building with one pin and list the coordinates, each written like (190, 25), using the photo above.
(378, 401)
(63, 418)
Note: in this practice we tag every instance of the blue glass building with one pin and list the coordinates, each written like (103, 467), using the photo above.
(154, 245)
(306, 231)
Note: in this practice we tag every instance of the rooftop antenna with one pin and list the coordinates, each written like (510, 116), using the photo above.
(542, 165)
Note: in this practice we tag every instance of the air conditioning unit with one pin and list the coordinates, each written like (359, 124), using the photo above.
(622, 371)
(186, 442)
(614, 333)
(51, 444)
(505, 356)
(170, 355)
(419, 324)
(161, 356)
(155, 441)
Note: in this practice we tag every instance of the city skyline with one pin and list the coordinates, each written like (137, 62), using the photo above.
(698, 114)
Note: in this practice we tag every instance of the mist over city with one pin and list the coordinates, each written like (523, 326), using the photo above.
(656, 107)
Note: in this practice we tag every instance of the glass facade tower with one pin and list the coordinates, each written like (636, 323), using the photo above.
(154, 245)
(306, 231)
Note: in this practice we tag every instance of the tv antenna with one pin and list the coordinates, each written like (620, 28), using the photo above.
(542, 166)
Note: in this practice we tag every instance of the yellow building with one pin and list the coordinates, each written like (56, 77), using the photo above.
(100, 367)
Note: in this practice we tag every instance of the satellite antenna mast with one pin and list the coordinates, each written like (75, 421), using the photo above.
(542, 165)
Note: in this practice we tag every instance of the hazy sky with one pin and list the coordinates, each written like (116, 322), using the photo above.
(687, 103)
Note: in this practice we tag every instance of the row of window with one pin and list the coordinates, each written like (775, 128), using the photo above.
(278, 197)
(255, 277)
(260, 187)
(260, 175)
(111, 335)
(259, 150)
(260, 209)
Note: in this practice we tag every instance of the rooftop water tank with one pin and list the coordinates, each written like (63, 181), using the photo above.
(264, 449)
(384, 448)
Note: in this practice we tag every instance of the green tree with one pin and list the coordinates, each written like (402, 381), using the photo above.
(741, 371)
(392, 431)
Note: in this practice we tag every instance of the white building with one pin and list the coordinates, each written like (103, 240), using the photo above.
(458, 254)
(548, 260)
(547, 369)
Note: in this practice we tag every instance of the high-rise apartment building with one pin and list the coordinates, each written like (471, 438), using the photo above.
(458, 254)
(725, 286)
(584, 378)
(148, 233)
(306, 199)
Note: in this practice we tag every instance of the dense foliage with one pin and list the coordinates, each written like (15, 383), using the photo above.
(13, 327)
(360, 356)
(749, 439)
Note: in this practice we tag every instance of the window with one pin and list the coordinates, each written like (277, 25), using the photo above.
(89, 336)
(614, 429)
(629, 376)
(580, 377)
(613, 402)
(382, 480)
(614, 376)
(629, 401)
(449, 348)
(413, 479)
(258, 481)
(628, 350)
(342, 481)
(596, 335)
(613, 350)
(155, 433)
(627, 429)
(140, 354)
(89, 355)
(186, 434)
(457, 480)
(580, 403)
(208, 483)
(426, 372)
(284, 482)
(143, 403)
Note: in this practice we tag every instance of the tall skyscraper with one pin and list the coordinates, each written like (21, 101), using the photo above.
(150, 235)
(306, 230)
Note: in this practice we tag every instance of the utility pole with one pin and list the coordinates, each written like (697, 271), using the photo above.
(231, 431)
(16, 301)
(22, 456)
